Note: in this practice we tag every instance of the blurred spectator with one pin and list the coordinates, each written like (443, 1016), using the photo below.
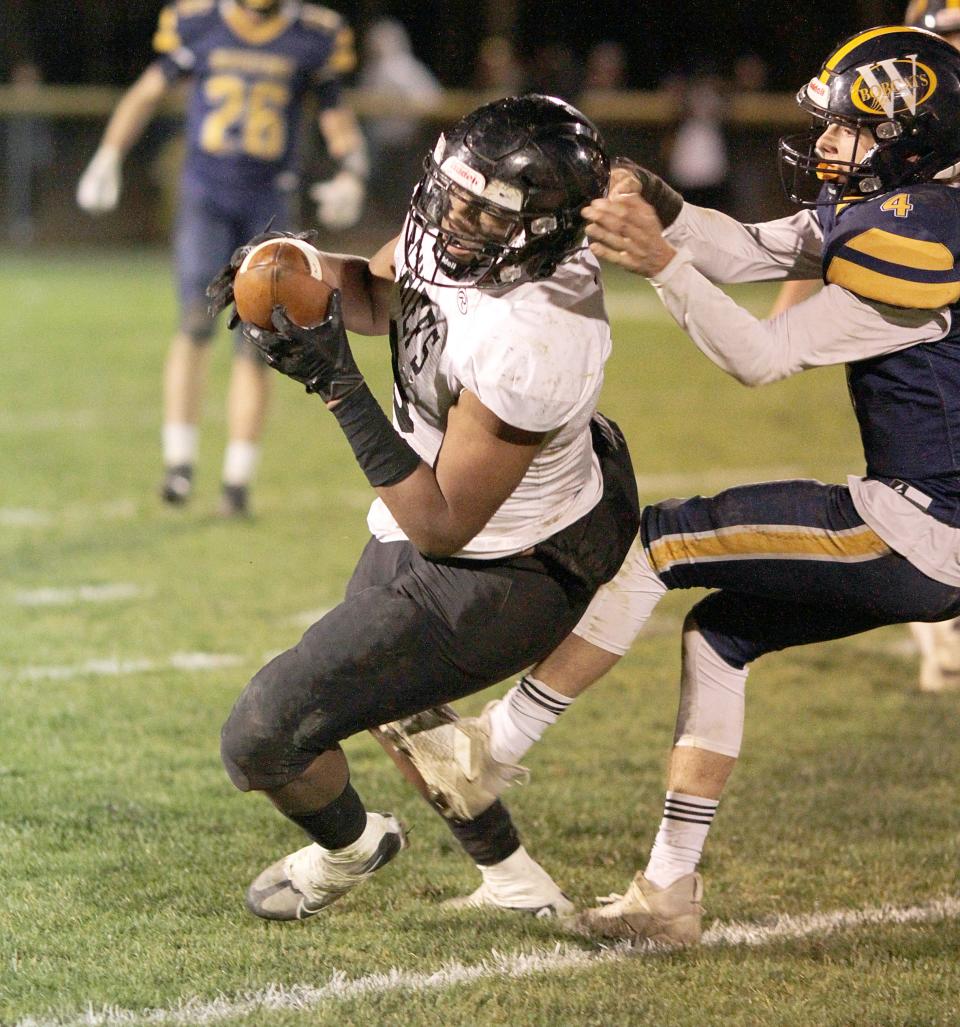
(752, 192)
(392, 73)
(499, 71)
(606, 67)
(697, 162)
(555, 72)
(27, 149)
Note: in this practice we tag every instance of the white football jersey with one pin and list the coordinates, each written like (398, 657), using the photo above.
(533, 354)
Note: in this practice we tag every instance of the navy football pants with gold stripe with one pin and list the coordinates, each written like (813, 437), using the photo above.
(793, 563)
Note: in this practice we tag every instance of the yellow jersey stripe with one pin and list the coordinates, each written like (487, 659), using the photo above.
(897, 249)
(166, 39)
(898, 292)
(343, 59)
(767, 542)
(855, 42)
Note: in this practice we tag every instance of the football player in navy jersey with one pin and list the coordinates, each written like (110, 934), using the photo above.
(938, 642)
(789, 562)
(252, 64)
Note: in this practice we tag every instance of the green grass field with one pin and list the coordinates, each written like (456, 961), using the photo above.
(128, 629)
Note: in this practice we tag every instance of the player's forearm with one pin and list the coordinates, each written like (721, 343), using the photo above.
(727, 251)
(832, 327)
(366, 295)
(134, 111)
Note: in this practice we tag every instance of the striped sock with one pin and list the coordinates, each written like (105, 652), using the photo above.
(521, 717)
(680, 840)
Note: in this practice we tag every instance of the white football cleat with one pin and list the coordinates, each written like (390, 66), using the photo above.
(669, 916)
(939, 645)
(517, 884)
(310, 879)
(455, 762)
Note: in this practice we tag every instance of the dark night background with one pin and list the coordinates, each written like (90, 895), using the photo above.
(108, 41)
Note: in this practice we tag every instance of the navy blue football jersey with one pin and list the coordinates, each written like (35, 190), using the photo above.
(249, 83)
(901, 248)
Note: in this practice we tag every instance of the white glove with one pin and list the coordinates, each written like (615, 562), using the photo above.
(99, 187)
(339, 200)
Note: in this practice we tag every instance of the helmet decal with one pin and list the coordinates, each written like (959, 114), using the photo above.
(461, 173)
(891, 86)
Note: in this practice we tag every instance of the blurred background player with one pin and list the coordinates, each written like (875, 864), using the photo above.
(939, 643)
(252, 64)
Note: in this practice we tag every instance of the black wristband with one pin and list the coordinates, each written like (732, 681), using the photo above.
(383, 456)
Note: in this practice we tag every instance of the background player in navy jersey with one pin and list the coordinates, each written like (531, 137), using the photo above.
(790, 562)
(252, 64)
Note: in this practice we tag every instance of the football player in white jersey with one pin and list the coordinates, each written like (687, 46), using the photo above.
(503, 500)
(939, 642)
(790, 562)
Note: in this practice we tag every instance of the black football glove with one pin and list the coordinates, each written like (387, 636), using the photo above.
(319, 358)
(664, 199)
(220, 289)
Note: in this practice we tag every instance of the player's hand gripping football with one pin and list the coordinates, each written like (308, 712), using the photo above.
(319, 358)
(220, 289)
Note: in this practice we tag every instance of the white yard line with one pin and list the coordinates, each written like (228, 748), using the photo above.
(563, 957)
(56, 596)
(115, 667)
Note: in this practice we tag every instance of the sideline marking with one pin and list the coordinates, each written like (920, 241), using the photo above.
(114, 667)
(80, 594)
(280, 998)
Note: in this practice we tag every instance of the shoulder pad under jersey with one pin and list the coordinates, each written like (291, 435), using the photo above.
(343, 56)
(901, 248)
(178, 21)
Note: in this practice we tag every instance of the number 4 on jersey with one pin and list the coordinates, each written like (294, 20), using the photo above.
(899, 204)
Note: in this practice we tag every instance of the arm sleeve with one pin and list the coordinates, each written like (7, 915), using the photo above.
(727, 251)
(833, 327)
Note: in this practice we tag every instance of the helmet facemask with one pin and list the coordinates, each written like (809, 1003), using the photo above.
(475, 240)
(804, 170)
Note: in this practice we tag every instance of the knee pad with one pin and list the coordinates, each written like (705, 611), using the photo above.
(711, 696)
(260, 750)
(197, 324)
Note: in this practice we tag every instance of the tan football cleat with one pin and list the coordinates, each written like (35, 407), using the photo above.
(454, 761)
(668, 916)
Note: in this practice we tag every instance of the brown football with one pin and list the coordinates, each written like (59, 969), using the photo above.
(282, 273)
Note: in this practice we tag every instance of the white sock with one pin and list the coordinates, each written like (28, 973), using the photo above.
(519, 881)
(521, 717)
(179, 444)
(239, 462)
(364, 847)
(679, 842)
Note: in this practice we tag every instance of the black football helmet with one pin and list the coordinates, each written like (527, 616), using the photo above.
(501, 194)
(940, 16)
(900, 84)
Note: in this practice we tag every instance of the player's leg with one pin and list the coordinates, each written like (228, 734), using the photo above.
(437, 632)
(251, 381)
(816, 573)
(248, 399)
(939, 645)
(202, 237)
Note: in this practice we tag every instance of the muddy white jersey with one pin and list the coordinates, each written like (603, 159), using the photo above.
(534, 355)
